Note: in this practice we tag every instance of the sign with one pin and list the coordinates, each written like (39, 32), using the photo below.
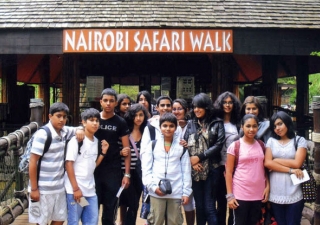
(147, 40)
(95, 85)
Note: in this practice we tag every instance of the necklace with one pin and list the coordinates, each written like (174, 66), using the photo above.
(167, 144)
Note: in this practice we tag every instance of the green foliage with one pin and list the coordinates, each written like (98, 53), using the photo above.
(292, 92)
(315, 54)
(130, 90)
(314, 87)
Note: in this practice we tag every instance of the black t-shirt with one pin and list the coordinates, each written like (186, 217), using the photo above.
(111, 130)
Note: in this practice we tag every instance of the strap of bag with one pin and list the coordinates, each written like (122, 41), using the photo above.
(152, 131)
(236, 151)
(296, 141)
(134, 146)
(46, 147)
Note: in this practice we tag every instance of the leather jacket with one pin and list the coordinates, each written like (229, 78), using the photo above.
(216, 139)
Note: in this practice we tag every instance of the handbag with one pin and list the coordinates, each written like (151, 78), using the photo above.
(309, 188)
(138, 162)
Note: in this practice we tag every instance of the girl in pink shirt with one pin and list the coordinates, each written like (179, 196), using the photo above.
(246, 181)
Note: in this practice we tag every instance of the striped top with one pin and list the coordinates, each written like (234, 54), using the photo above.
(133, 156)
(51, 178)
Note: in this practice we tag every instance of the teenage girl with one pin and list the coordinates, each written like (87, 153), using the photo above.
(228, 106)
(285, 155)
(124, 103)
(180, 110)
(246, 179)
(144, 98)
(252, 105)
(205, 137)
(136, 118)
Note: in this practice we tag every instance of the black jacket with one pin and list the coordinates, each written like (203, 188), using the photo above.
(216, 139)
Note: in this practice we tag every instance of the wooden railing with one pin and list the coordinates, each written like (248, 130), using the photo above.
(13, 193)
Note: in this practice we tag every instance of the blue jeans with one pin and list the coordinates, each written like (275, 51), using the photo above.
(288, 214)
(205, 196)
(88, 214)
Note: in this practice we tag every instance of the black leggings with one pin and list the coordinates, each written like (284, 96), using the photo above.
(247, 213)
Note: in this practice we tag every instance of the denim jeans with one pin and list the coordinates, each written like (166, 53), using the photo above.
(88, 214)
(205, 196)
(288, 214)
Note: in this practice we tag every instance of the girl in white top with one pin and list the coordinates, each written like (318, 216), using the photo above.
(180, 110)
(285, 155)
(228, 106)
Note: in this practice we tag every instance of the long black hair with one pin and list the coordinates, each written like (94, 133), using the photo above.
(235, 113)
(120, 98)
(131, 114)
(147, 95)
(202, 100)
(286, 119)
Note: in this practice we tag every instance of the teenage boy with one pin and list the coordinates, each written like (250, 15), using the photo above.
(81, 162)
(167, 163)
(163, 105)
(47, 194)
(108, 175)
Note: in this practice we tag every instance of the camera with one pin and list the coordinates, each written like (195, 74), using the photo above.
(165, 186)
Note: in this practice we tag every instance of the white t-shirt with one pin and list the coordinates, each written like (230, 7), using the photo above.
(230, 133)
(84, 165)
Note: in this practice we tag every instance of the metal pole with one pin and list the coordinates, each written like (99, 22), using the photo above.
(316, 140)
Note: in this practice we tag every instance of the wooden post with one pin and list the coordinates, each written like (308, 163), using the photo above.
(269, 81)
(316, 140)
(71, 87)
(9, 84)
(302, 102)
(44, 70)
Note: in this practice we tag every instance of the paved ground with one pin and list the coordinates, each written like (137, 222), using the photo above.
(23, 220)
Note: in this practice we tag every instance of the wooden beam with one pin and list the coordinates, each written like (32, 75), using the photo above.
(71, 87)
(269, 81)
(302, 100)
(44, 70)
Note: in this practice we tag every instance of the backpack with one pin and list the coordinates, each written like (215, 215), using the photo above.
(24, 159)
(65, 151)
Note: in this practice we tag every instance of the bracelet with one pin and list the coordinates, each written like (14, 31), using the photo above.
(230, 197)
(76, 189)
(127, 175)
(34, 189)
(103, 154)
(290, 171)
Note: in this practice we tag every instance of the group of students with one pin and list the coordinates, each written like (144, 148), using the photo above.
(204, 157)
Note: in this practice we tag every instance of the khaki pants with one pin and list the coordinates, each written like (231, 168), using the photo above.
(161, 207)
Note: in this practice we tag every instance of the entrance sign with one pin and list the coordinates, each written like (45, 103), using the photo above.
(147, 40)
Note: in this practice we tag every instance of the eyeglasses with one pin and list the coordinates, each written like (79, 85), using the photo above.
(177, 109)
(163, 105)
(227, 103)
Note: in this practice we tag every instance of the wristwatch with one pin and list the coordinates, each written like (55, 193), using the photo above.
(127, 175)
